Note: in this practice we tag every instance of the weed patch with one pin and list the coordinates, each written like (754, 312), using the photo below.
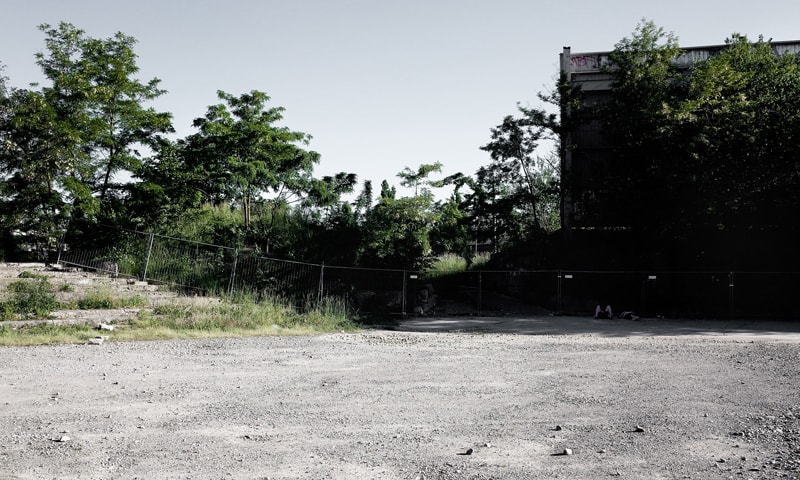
(30, 298)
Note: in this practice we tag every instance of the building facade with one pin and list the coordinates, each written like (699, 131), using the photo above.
(589, 153)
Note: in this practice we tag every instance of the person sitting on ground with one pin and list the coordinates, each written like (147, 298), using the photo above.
(627, 315)
(603, 313)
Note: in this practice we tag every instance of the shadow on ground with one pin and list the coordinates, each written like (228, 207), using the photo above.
(556, 325)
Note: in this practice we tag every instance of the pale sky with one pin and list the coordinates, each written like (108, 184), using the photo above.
(380, 85)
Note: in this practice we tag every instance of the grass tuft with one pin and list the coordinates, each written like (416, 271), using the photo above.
(30, 298)
(105, 300)
(449, 264)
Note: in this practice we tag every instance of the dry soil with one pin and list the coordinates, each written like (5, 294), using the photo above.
(528, 398)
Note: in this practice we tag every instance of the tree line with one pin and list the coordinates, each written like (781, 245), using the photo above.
(86, 149)
(694, 153)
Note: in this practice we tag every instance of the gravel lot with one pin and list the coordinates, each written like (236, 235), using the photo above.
(624, 399)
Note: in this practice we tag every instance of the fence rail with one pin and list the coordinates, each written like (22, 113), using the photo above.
(204, 268)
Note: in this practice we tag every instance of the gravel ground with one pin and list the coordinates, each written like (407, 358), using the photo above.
(405, 405)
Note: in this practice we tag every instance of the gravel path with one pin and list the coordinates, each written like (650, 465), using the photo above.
(404, 405)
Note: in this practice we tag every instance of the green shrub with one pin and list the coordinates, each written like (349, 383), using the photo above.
(31, 275)
(105, 300)
(31, 298)
(447, 264)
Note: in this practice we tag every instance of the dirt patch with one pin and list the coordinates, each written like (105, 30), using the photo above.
(71, 284)
(527, 397)
(403, 405)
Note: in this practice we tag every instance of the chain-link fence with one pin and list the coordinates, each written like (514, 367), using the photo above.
(213, 269)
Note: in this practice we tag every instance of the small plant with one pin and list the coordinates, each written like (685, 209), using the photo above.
(66, 287)
(105, 300)
(31, 298)
(480, 260)
(46, 334)
(31, 275)
(447, 263)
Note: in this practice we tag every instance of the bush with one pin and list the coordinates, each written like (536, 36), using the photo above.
(31, 298)
(105, 299)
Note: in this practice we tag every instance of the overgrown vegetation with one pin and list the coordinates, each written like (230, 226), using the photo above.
(693, 156)
(100, 299)
(241, 179)
(448, 264)
(30, 298)
(33, 297)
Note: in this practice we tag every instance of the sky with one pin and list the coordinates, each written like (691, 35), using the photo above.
(380, 85)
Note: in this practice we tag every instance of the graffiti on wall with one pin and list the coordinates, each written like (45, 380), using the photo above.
(588, 62)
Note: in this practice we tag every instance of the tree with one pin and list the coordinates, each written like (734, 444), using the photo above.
(516, 196)
(167, 191)
(450, 231)
(94, 93)
(241, 156)
(244, 154)
(740, 120)
(396, 231)
(638, 184)
(703, 158)
(31, 159)
(415, 179)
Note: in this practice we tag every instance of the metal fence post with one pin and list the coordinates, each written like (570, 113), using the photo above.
(320, 290)
(643, 300)
(730, 295)
(480, 293)
(558, 310)
(231, 286)
(403, 303)
(147, 257)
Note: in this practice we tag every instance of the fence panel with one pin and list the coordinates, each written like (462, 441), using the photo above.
(582, 291)
(453, 293)
(292, 283)
(687, 295)
(106, 249)
(189, 265)
(370, 290)
(766, 294)
(217, 269)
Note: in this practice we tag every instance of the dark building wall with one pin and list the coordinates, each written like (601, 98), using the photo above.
(585, 167)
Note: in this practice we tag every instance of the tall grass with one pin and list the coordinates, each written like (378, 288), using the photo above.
(241, 318)
(45, 334)
(32, 297)
(105, 299)
(450, 263)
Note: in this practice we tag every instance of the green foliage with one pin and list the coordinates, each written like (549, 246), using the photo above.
(396, 233)
(449, 264)
(517, 196)
(94, 90)
(31, 275)
(46, 334)
(106, 300)
(740, 121)
(449, 233)
(641, 178)
(243, 316)
(30, 298)
(708, 150)
(244, 154)
(446, 264)
(63, 145)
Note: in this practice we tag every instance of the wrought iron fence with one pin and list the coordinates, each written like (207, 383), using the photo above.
(214, 269)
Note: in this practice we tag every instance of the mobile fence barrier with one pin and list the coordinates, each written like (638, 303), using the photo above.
(200, 268)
